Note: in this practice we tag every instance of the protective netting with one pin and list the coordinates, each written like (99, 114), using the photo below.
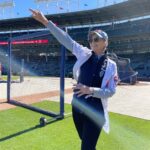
(125, 72)
(33, 65)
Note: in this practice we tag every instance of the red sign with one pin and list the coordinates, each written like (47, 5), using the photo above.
(26, 42)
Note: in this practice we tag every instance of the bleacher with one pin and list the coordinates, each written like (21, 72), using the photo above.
(129, 39)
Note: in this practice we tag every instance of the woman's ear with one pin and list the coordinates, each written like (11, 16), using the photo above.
(106, 43)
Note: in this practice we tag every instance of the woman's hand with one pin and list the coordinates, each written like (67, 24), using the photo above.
(39, 16)
(82, 89)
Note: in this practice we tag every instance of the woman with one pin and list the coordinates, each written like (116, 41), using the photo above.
(96, 77)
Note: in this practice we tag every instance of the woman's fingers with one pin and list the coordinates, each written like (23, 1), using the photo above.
(34, 12)
(77, 86)
(79, 93)
(38, 15)
(81, 89)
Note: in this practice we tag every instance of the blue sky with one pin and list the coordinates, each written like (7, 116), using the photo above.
(21, 6)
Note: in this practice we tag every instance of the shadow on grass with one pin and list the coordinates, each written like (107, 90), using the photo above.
(13, 81)
(3, 102)
(27, 130)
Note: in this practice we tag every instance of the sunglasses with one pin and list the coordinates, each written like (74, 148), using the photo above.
(96, 39)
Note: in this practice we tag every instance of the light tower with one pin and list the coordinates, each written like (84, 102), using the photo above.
(7, 5)
(63, 5)
(105, 2)
(45, 3)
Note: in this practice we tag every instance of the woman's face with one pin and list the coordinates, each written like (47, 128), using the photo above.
(97, 44)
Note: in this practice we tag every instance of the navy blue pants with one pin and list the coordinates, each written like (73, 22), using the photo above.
(88, 131)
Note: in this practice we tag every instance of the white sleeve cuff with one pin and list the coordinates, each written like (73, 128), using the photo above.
(102, 93)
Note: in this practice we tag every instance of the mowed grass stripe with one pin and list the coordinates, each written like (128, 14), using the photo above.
(19, 130)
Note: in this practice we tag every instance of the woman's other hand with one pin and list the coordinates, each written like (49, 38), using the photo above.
(81, 89)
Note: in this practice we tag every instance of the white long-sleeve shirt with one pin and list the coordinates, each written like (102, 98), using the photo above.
(109, 82)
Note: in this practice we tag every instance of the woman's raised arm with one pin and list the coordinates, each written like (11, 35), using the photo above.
(58, 33)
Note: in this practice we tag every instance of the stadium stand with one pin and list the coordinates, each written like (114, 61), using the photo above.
(125, 39)
(128, 39)
(120, 11)
(0, 71)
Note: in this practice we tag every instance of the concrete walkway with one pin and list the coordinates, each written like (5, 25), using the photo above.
(132, 100)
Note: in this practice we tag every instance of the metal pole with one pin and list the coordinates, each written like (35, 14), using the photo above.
(35, 109)
(22, 71)
(62, 80)
(78, 5)
(9, 71)
(57, 7)
(97, 3)
(68, 4)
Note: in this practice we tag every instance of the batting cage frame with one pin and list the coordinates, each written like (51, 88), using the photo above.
(0, 71)
(59, 115)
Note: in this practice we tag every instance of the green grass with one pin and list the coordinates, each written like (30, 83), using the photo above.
(4, 78)
(19, 131)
